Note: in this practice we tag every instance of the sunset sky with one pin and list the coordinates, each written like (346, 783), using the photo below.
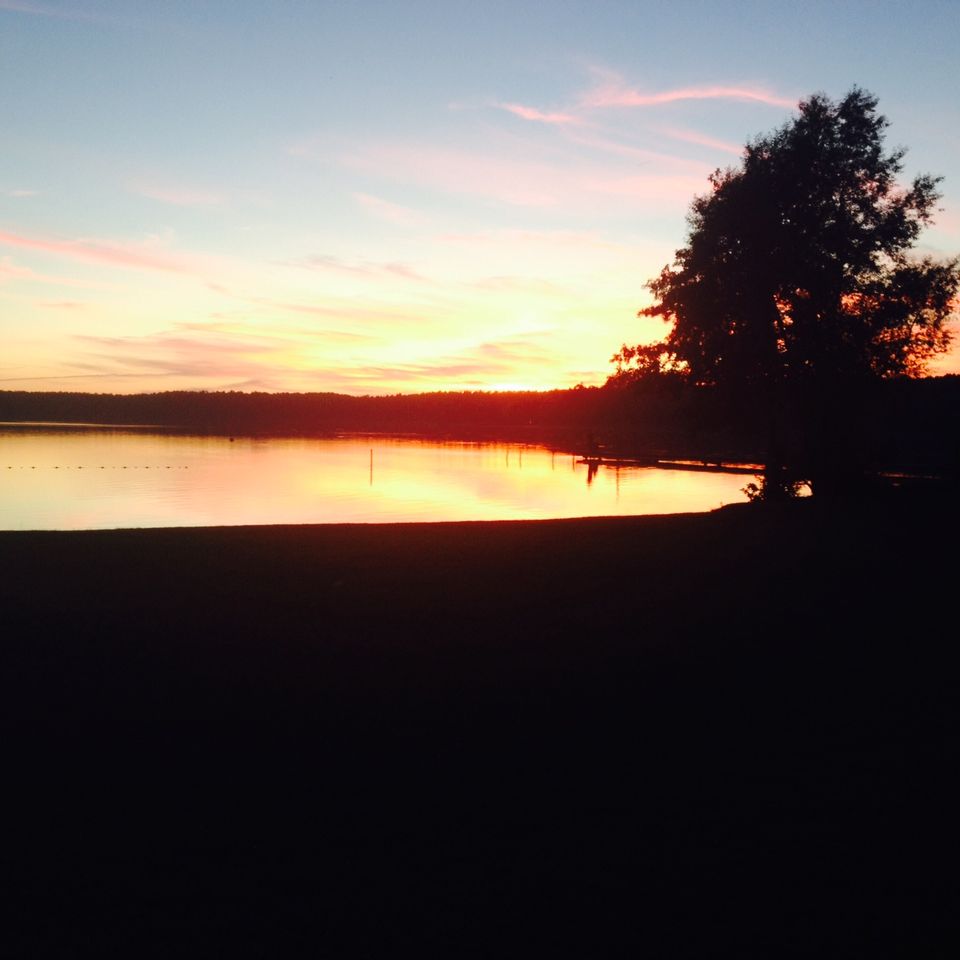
(401, 196)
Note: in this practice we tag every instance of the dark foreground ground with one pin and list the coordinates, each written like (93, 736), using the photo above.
(710, 735)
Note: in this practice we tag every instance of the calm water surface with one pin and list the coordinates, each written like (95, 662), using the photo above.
(57, 478)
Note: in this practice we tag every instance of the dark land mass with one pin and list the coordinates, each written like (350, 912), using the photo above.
(702, 735)
(904, 424)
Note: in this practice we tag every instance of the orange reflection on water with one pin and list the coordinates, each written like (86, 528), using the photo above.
(91, 479)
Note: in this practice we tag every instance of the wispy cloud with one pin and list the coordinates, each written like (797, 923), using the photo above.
(368, 269)
(701, 139)
(62, 305)
(178, 196)
(574, 240)
(340, 311)
(611, 90)
(252, 332)
(581, 265)
(10, 271)
(518, 182)
(211, 356)
(139, 258)
(540, 116)
(174, 354)
(13, 271)
(645, 155)
(21, 194)
(51, 379)
(231, 357)
(45, 10)
(510, 357)
(457, 171)
(506, 283)
(614, 92)
(389, 211)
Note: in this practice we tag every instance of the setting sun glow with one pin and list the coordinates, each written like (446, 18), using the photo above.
(442, 196)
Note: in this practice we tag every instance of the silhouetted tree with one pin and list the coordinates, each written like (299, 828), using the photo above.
(642, 362)
(796, 285)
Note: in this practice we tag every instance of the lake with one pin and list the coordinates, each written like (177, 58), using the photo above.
(59, 477)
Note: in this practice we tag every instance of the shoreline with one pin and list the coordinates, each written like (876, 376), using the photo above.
(413, 524)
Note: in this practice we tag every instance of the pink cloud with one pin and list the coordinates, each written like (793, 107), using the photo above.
(13, 271)
(178, 196)
(175, 358)
(361, 268)
(339, 311)
(505, 283)
(478, 364)
(139, 259)
(647, 189)
(614, 93)
(62, 304)
(606, 145)
(222, 356)
(521, 182)
(389, 211)
(531, 113)
(223, 325)
(210, 355)
(562, 239)
(947, 222)
(691, 136)
(461, 172)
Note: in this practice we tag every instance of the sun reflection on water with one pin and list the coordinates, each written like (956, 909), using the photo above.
(92, 479)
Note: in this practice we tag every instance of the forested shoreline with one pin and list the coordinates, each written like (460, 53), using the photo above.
(912, 424)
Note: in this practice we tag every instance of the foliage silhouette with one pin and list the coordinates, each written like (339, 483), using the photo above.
(796, 288)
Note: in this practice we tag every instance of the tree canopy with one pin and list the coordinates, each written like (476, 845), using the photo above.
(797, 268)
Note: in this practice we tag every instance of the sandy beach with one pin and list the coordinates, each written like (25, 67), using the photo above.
(702, 734)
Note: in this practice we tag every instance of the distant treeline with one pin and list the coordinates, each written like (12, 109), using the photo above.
(909, 424)
(285, 414)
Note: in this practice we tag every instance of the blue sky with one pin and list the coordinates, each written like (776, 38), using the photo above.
(392, 197)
